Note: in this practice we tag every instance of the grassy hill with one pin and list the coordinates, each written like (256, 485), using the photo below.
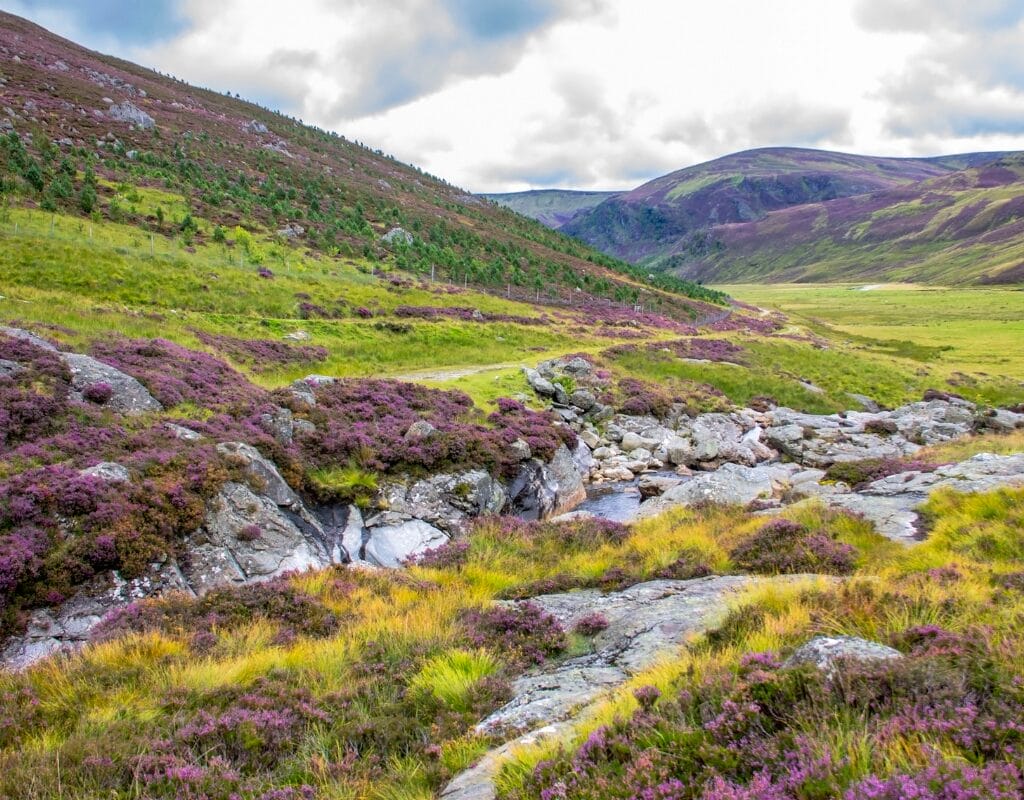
(788, 214)
(93, 136)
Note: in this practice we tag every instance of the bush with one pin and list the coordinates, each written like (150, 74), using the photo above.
(782, 546)
(524, 633)
(591, 624)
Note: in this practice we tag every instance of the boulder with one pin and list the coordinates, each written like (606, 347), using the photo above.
(827, 653)
(28, 336)
(183, 433)
(731, 484)
(420, 429)
(398, 235)
(132, 114)
(129, 396)
(539, 384)
(108, 471)
(583, 399)
(279, 424)
(544, 490)
(447, 501)
(264, 471)
(247, 538)
(392, 545)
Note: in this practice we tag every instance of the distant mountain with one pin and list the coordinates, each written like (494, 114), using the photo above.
(771, 214)
(553, 207)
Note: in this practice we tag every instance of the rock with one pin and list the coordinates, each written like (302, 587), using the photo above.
(219, 556)
(129, 396)
(890, 503)
(291, 231)
(543, 490)
(577, 366)
(255, 126)
(583, 399)
(617, 474)
(420, 429)
(1000, 420)
(279, 424)
(656, 485)
(298, 336)
(28, 336)
(678, 451)
(392, 545)
(183, 433)
(519, 450)
(864, 402)
(9, 368)
(731, 484)
(590, 439)
(303, 427)
(108, 471)
(826, 653)
(539, 384)
(398, 235)
(446, 501)
(129, 112)
(264, 472)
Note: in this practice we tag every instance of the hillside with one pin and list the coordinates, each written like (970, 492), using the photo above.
(551, 207)
(963, 228)
(321, 479)
(767, 215)
(88, 134)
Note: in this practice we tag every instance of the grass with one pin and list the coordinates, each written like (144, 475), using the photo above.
(901, 339)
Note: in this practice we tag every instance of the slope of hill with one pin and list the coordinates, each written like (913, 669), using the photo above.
(85, 131)
(965, 227)
(647, 223)
(552, 207)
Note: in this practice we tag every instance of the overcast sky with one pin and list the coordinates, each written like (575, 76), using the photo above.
(501, 95)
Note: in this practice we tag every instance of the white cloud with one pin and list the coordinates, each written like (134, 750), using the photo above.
(513, 94)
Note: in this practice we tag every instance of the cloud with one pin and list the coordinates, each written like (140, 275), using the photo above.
(793, 123)
(967, 79)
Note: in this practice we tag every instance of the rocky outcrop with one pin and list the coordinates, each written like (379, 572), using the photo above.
(126, 394)
(542, 490)
(731, 484)
(891, 503)
(646, 623)
(448, 501)
(393, 545)
(132, 114)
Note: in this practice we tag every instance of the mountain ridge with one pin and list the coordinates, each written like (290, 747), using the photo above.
(687, 221)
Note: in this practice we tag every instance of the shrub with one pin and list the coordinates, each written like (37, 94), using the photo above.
(450, 555)
(524, 633)
(98, 393)
(277, 601)
(860, 473)
(591, 624)
(782, 546)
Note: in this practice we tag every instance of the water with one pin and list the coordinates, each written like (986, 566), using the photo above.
(618, 500)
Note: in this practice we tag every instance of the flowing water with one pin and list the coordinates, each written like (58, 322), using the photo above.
(615, 500)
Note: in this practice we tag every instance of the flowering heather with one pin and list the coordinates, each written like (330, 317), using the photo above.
(639, 398)
(705, 349)
(591, 624)
(34, 396)
(465, 314)
(277, 601)
(98, 393)
(944, 780)
(782, 546)
(523, 632)
(365, 422)
(263, 354)
(860, 473)
(449, 555)
(175, 375)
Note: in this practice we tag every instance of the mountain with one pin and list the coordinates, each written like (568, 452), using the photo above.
(754, 216)
(965, 227)
(82, 128)
(552, 207)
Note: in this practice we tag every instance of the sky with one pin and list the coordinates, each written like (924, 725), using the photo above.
(505, 95)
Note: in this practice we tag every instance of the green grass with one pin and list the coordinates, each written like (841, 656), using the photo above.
(899, 340)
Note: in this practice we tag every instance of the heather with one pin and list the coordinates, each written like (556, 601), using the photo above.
(733, 719)
(369, 422)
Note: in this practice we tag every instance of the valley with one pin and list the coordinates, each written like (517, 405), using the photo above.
(324, 479)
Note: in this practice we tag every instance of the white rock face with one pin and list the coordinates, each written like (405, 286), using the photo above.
(392, 545)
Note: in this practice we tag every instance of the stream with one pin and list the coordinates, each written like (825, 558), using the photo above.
(617, 501)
